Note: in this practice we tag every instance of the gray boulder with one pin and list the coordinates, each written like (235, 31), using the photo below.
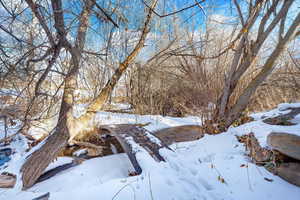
(289, 172)
(285, 143)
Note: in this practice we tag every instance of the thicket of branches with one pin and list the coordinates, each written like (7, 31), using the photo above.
(164, 60)
(189, 79)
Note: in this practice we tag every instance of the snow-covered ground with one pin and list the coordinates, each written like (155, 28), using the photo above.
(212, 168)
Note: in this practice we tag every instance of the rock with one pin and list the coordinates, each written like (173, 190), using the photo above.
(284, 119)
(285, 143)
(7, 180)
(281, 121)
(289, 172)
(180, 134)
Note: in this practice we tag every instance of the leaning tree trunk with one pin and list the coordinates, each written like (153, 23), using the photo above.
(225, 113)
(103, 96)
(66, 127)
(40, 159)
(243, 100)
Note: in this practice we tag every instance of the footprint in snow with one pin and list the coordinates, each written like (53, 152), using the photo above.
(205, 184)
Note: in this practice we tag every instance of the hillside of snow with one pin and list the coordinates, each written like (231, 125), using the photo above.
(213, 168)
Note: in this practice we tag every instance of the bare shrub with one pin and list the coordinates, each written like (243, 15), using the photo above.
(189, 79)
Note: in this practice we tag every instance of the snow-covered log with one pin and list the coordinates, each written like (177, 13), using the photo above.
(130, 135)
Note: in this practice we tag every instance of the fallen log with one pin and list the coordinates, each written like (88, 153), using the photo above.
(184, 133)
(128, 134)
(286, 143)
(7, 180)
(56, 170)
(289, 172)
(43, 197)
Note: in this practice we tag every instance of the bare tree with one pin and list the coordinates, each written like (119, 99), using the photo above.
(247, 50)
(67, 125)
(34, 166)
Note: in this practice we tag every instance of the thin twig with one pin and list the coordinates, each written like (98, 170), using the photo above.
(128, 184)
(150, 187)
(172, 13)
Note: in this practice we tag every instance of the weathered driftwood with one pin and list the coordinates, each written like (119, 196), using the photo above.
(56, 170)
(180, 134)
(7, 180)
(43, 197)
(127, 134)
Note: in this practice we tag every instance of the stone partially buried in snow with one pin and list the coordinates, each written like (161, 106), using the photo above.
(180, 134)
(290, 172)
(287, 144)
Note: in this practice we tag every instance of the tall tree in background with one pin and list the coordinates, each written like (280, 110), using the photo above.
(269, 15)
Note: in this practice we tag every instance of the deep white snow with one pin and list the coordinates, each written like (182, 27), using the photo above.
(193, 171)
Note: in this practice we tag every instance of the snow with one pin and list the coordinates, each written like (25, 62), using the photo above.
(156, 121)
(80, 152)
(261, 129)
(192, 171)
(284, 106)
(11, 130)
(8, 92)
(43, 128)
(121, 106)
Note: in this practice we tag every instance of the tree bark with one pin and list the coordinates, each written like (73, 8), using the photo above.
(40, 159)
(244, 56)
(140, 136)
(67, 125)
(103, 96)
(269, 65)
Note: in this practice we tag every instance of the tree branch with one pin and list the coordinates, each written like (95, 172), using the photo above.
(239, 12)
(105, 13)
(34, 8)
(172, 13)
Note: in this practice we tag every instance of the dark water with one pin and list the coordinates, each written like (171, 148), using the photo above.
(5, 155)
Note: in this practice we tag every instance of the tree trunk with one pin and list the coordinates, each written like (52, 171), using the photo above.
(246, 52)
(40, 159)
(67, 127)
(242, 102)
(102, 98)
(140, 136)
